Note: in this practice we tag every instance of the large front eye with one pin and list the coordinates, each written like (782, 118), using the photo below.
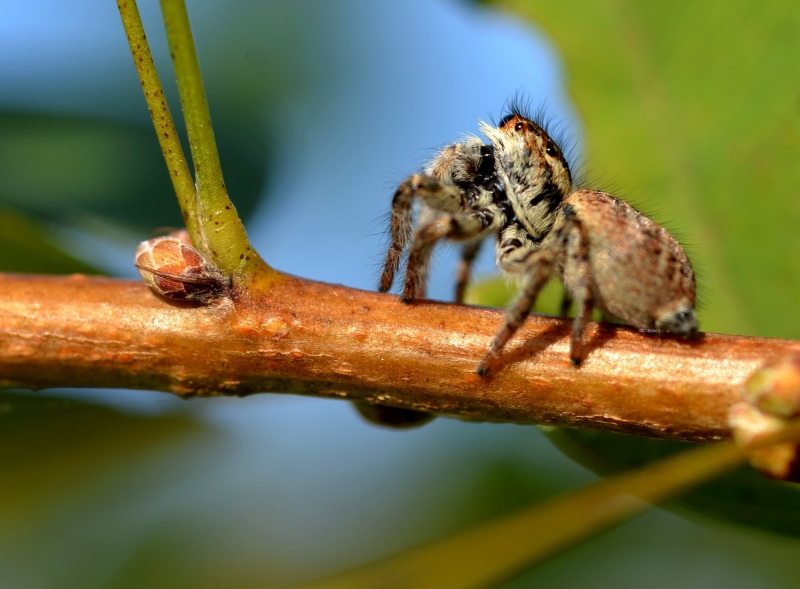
(519, 126)
(550, 150)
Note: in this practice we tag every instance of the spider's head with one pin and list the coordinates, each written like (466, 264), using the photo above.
(534, 165)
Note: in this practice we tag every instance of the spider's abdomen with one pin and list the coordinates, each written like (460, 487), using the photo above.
(639, 272)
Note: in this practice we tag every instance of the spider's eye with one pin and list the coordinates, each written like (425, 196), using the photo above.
(550, 150)
(519, 126)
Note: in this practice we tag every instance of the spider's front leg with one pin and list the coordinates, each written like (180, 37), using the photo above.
(541, 269)
(435, 194)
(540, 265)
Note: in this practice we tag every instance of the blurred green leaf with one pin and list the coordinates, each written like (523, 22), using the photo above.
(502, 548)
(54, 166)
(744, 497)
(490, 292)
(80, 481)
(26, 247)
(52, 447)
(693, 109)
(500, 291)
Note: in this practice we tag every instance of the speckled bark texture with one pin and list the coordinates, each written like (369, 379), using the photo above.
(309, 338)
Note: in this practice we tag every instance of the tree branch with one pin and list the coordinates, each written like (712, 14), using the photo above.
(317, 339)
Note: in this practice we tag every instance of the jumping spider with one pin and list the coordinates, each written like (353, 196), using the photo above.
(519, 189)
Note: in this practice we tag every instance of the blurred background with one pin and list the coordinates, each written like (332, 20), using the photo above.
(690, 110)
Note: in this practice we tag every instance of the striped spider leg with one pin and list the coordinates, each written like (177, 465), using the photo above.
(459, 194)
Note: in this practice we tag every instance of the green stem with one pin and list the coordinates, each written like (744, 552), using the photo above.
(159, 111)
(221, 234)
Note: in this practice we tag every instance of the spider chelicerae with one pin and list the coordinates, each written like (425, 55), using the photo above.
(518, 189)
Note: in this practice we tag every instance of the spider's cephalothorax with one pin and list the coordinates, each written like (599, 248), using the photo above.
(510, 189)
(519, 189)
(536, 179)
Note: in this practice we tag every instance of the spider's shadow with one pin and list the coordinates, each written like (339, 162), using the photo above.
(531, 348)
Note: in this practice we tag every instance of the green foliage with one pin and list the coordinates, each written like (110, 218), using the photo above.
(690, 110)
(744, 497)
(57, 166)
(71, 469)
(501, 548)
(25, 247)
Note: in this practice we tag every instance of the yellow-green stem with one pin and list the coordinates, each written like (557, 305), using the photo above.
(159, 111)
(221, 234)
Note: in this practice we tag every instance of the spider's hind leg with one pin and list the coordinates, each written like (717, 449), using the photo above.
(576, 275)
(469, 251)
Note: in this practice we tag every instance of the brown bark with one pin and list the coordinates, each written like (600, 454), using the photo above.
(318, 339)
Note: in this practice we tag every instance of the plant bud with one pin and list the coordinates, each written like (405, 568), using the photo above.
(775, 389)
(174, 269)
(771, 397)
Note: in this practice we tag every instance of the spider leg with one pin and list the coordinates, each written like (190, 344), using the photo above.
(513, 249)
(566, 304)
(437, 195)
(540, 272)
(400, 231)
(419, 256)
(469, 252)
(540, 263)
(577, 275)
(465, 225)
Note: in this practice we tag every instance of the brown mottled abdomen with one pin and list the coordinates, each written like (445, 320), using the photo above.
(639, 272)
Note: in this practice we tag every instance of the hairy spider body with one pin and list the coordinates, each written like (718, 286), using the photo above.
(519, 190)
(610, 256)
